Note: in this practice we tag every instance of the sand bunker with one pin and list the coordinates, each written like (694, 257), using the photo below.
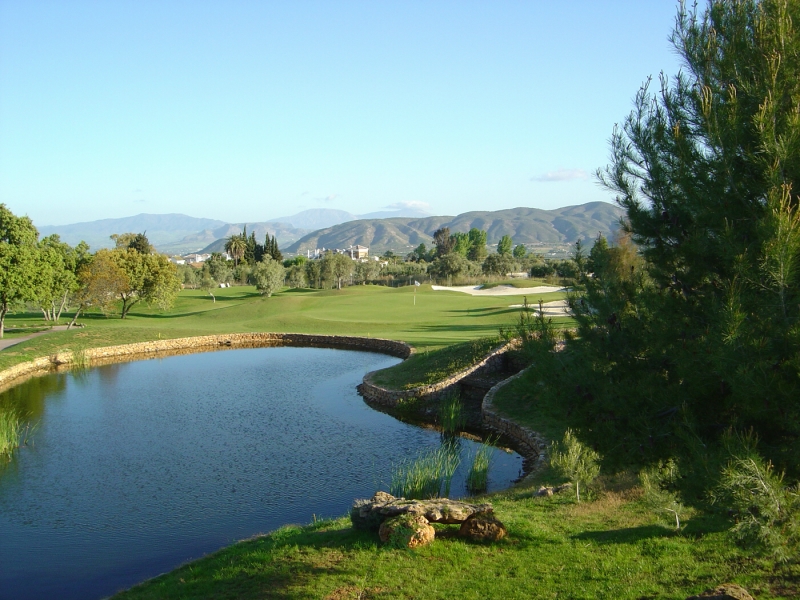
(500, 290)
(559, 308)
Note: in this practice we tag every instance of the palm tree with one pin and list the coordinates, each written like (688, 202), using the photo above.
(236, 246)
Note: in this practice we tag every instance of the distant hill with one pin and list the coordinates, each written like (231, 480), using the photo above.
(171, 233)
(286, 234)
(161, 229)
(214, 240)
(320, 218)
(525, 225)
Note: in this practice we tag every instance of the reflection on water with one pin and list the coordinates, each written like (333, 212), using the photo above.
(138, 467)
(28, 399)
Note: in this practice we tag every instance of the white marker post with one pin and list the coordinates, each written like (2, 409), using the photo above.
(416, 285)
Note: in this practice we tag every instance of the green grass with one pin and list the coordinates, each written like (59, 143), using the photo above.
(431, 366)
(437, 320)
(609, 548)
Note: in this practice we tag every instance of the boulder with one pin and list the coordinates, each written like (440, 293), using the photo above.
(407, 530)
(482, 527)
(726, 591)
(549, 491)
(369, 514)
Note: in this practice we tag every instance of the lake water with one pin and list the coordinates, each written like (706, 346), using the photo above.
(138, 467)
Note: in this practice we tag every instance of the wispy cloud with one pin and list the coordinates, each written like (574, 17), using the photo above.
(140, 200)
(328, 198)
(562, 175)
(409, 204)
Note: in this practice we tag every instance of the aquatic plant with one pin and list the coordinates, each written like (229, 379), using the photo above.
(451, 414)
(478, 476)
(428, 475)
(10, 430)
(80, 359)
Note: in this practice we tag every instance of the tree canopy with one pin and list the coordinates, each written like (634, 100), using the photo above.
(18, 261)
(689, 324)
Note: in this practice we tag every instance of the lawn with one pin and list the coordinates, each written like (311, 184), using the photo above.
(611, 547)
(432, 320)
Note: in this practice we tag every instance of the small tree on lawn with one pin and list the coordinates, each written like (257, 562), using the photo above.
(268, 275)
(576, 462)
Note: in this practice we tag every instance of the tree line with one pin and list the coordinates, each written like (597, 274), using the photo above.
(57, 277)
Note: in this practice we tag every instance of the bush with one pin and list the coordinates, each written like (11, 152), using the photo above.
(766, 509)
(268, 276)
(660, 493)
(576, 462)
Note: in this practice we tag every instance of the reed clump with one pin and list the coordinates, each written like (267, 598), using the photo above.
(451, 414)
(428, 475)
(10, 432)
(80, 359)
(478, 476)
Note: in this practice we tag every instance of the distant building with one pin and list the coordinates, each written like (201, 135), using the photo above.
(358, 252)
(196, 258)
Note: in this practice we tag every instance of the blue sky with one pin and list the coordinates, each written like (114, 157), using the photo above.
(246, 111)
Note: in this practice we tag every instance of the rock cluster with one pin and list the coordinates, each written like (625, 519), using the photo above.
(549, 491)
(407, 522)
(408, 530)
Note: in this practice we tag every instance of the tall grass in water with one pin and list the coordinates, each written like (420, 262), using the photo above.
(80, 359)
(13, 433)
(427, 476)
(10, 432)
(451, 414)
(478, 476)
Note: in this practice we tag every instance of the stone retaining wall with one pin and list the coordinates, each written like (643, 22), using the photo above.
(494, 361)
(529, 443)
(14, 375)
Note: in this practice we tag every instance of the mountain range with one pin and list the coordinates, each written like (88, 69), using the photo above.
(176, 233)
(525, 226)
(399, 231)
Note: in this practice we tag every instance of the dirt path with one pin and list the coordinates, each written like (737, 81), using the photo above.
(4, 343)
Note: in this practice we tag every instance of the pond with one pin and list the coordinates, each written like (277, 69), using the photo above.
(136, 468)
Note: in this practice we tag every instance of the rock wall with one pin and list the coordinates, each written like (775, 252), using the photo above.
(14, 375)
(494, 361)
(530, 444)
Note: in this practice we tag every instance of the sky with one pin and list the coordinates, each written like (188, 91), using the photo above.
(252, 110)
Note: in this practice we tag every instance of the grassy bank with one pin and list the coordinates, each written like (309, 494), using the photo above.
(435, 364)
(609, 548)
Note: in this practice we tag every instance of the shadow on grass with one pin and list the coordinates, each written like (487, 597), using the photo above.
(269, 566)
(298, 291)
(626, 535)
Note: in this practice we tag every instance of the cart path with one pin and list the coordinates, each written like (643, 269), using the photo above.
(4, 343)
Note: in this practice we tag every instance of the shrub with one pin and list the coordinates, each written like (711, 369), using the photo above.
(660, 494)
(766, 508)
(576, 462)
